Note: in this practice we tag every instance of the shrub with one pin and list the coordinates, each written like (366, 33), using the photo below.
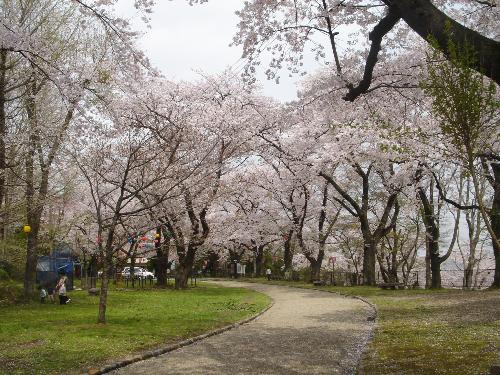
(4, 275)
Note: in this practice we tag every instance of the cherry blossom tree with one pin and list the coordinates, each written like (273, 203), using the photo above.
(119, 168)
(287, 28)
(216, 125)
(56, 59)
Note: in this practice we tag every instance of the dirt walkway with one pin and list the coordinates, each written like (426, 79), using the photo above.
(305, 332)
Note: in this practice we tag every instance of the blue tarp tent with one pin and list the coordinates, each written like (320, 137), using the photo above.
(49, 267)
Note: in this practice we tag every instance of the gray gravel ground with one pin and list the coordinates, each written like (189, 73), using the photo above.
(305, 332)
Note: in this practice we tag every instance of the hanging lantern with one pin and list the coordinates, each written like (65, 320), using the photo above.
(157, 235)
(26, 229)
(144, 238)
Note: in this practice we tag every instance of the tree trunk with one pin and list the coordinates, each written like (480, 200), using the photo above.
(131, 270)
(288, 254)
(435, 271)
(468, 273)
(182, 276)
(433, 261)
(161, 267)
(3, 162)
(427, 264)
(383, 270)
(213, 263)
(393, 270)
(259, 260)
(32, 214)
(161, 263)
(315, 270)
(369, 259)
(495, 222)
(31, 262)
(103, 298)
(184, 269)
(389, 273)
(432, 233)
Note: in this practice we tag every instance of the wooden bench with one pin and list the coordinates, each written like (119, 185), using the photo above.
(391, 285)
(319, 283)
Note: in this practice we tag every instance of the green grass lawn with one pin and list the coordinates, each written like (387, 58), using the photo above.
(429, 332)
(48, 338)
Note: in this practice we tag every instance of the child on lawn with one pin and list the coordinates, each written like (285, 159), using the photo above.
(61, 290)
(43, 294)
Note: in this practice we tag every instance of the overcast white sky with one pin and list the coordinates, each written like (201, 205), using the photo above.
(184, 38)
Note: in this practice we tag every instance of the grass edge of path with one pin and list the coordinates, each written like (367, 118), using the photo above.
(53, 339)
(169, 348)
(414, 334)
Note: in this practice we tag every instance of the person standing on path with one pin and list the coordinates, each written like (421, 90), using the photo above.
(61, 289)
(268, 274)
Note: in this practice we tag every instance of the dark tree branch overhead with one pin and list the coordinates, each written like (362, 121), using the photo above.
(428, 21)
(376, 35)
(458, 205)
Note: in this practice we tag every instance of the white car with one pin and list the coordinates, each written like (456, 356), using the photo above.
(138, 272)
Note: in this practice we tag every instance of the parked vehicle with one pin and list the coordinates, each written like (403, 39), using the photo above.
(140, 273)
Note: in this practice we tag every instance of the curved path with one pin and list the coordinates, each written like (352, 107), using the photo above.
(305, 332)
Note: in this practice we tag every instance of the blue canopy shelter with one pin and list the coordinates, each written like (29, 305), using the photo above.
(50, 267)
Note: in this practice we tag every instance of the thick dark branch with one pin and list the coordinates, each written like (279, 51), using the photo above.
(343, 193)
(332, 34)
(379, 31)
(382, 230)
(450, 201)
(427, 20)
(343, 204)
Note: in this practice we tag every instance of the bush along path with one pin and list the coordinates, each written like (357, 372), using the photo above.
(304, 332)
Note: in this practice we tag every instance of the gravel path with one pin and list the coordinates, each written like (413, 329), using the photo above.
(305, 332)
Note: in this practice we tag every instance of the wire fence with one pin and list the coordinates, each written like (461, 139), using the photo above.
(131, 282)
(479, 278)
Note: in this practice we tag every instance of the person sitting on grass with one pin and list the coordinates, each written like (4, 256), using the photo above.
(61, 289)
